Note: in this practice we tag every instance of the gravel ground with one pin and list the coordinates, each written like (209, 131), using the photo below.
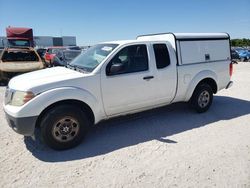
(167, 147)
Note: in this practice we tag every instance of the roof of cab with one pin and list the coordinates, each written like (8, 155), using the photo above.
(190, 35)
(177, 36)
(120, 42)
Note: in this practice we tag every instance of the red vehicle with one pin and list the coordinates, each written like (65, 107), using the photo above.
(51, 52)
(19, 37)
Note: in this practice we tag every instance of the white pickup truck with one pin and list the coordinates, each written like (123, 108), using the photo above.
(118, 78)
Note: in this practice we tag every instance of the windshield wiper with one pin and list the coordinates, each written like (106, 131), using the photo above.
(76, 68)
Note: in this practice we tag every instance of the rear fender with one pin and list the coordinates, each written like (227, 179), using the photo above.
(195, 81)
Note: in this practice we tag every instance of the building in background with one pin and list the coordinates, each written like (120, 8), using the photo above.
(45, 41)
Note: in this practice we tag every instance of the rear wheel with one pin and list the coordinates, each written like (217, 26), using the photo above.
(202, 98)
(64, 127)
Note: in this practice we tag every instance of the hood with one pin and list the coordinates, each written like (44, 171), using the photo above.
(50, 77)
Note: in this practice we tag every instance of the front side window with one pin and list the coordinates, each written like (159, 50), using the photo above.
(161, 55)
(129, 59)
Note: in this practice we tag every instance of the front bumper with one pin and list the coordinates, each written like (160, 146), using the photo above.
(22, 125)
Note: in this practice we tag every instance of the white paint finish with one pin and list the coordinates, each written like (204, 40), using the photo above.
(121, 94)
(52, 85)
(43, 78)
(172, 37)
(51, 96)
(200, 35)
(163, 37)
(195, 51)
(127, 92)
(219, 71)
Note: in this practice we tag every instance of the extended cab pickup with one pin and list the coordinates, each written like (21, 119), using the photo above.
(118, 78)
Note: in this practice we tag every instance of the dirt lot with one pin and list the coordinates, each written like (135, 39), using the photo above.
(168, 147)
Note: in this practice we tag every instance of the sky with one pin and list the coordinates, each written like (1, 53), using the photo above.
(96, 21)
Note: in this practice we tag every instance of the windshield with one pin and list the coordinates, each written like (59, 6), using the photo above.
(70, 55)
(93, 56)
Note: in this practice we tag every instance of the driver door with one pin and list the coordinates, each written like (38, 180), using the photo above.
(126, 81)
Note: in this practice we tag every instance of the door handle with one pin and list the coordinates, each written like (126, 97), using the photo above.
(148, 77)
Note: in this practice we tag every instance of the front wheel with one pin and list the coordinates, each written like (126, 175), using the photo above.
(64, 127)
(202, 98)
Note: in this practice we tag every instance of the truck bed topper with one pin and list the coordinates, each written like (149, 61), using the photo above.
(199, 41)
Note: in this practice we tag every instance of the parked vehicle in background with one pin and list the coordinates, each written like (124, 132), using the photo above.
(234, 54)
(73, 48)
(14, 61)
(53, 51)
(65, 57)
(19, 37)
(244, 54)
(118, 78)
(41, 52)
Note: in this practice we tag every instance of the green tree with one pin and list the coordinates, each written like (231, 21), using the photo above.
(240, 42)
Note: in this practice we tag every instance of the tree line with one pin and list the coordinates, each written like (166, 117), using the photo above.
(240, 42)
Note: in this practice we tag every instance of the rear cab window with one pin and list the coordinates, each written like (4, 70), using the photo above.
(161, 55)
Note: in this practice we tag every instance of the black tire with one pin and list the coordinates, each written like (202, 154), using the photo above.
(202, 98)
(64, 127)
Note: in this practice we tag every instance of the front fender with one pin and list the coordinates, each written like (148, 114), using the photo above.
(194, 82)
(35, 106)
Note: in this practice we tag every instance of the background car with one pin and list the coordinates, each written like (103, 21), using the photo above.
(14, 61)
(53, 51)
(73, 48)
(63, 58)
(41, 52)
(244, 54)
(235, 55)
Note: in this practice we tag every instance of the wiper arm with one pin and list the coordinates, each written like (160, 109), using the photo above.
(77, 68)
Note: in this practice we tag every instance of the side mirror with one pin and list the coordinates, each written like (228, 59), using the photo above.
(116, 68)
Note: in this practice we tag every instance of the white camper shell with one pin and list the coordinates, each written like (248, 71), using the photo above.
(195, 47)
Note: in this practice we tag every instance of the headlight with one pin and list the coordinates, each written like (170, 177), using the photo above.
(19, 98)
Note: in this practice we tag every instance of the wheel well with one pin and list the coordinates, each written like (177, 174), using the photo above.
(78, 103)
(210, 82)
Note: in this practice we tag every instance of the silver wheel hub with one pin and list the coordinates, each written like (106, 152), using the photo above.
(204, 99)
(65, 129)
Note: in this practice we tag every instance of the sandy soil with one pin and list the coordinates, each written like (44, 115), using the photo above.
(167, 147)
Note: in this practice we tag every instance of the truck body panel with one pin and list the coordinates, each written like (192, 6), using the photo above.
(126, 92)
(143, 83)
